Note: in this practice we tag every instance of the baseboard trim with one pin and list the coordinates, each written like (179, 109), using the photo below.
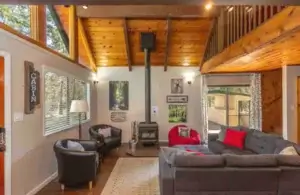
(43, 184)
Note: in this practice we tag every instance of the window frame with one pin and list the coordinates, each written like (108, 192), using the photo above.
(70, 77)
(226, 103)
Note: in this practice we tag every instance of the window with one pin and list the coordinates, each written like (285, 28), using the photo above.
(55, 40)
(17, 17)
(229, 106)
(60, 90)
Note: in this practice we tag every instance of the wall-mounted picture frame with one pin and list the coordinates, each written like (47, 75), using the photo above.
(177, 113)
(118, 117)
(31, 88)
(177, 86)
(118, 95)
(177, 99)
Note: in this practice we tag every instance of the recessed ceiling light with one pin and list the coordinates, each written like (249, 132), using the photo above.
(85, 7)
(208, 6)
(186, 64)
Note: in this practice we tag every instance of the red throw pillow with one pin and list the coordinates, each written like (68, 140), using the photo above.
(235, 138)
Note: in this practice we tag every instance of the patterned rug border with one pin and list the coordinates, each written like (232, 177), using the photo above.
(118, 168)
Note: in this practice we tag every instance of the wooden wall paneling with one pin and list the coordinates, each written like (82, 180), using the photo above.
(168, 35)
(298, 109)
(73, 33)
(128, 48)
(38, 23)
(86, 44)
(271, 96)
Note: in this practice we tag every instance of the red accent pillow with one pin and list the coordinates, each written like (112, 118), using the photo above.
(235, 138)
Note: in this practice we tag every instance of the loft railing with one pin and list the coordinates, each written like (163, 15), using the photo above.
(233, 23)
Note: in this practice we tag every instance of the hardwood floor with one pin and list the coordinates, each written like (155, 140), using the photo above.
(53, 188)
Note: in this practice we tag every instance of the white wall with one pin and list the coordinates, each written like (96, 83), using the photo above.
(289, 102)
(33, 159)
(160, 88)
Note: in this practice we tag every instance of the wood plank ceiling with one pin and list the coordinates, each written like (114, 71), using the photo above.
(106, 37)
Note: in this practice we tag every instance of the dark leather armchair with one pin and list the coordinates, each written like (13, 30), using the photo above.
(110, 143)
(76, 167)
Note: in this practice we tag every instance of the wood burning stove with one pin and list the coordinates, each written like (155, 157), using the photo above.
(148, 131)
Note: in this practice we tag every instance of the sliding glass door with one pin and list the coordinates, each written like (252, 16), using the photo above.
(229, 106)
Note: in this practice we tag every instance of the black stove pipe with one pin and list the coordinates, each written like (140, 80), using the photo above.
(147, 87)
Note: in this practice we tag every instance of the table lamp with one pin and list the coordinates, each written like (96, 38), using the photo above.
(79, 106)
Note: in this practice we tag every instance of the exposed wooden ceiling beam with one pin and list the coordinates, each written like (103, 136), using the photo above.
(168, 34)
(73, 34)
(86, 45)
(126, 38)
(143, 11)
(271, 31)
(152, 2)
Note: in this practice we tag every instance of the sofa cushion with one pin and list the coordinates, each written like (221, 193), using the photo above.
(237, 151)
(170, 153)
(235, 138)
(281, 144)
(260, 142)
(288, 160)
(199, 161)
(265, 160)
(216, 147)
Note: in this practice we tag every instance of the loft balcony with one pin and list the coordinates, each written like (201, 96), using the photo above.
(253, 39)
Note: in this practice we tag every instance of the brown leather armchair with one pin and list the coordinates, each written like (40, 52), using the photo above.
(110, 143)
(76, 167)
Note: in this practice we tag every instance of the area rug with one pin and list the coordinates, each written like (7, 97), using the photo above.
(133, 176)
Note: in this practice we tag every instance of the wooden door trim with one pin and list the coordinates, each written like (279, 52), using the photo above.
(7, 121)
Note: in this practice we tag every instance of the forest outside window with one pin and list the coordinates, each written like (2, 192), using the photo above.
(60, 90)
(55, 39)
(17, 17)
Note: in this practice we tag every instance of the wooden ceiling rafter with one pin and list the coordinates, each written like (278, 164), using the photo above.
(146, 11)
(86, 45)
(168, 34)
(213, 24)
(127, 44)
(275, 29)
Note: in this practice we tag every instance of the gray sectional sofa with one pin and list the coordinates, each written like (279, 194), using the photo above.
(259, 169)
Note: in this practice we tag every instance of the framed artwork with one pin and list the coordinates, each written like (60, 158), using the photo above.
(177, 99)
(177, 113)
(118, 116)
(118, 95)
(176, 86)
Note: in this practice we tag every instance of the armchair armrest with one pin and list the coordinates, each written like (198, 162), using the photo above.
(95, 135)
(115, 132)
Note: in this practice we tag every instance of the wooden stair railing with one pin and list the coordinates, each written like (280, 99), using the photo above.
(233, 23)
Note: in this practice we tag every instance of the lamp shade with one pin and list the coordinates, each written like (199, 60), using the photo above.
(79, 106)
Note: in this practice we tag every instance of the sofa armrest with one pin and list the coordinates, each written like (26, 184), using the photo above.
(166, 176)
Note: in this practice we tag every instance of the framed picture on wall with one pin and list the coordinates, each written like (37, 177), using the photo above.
(177, 98)
(177, 113)
(118, 95)
(177, 86)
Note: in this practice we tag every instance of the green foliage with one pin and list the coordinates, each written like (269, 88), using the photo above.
(17, 17)
(54, 39)
(177, 113)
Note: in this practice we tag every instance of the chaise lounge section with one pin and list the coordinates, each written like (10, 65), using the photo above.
(256, 170)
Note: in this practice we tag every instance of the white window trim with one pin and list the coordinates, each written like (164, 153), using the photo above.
(70, 76)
